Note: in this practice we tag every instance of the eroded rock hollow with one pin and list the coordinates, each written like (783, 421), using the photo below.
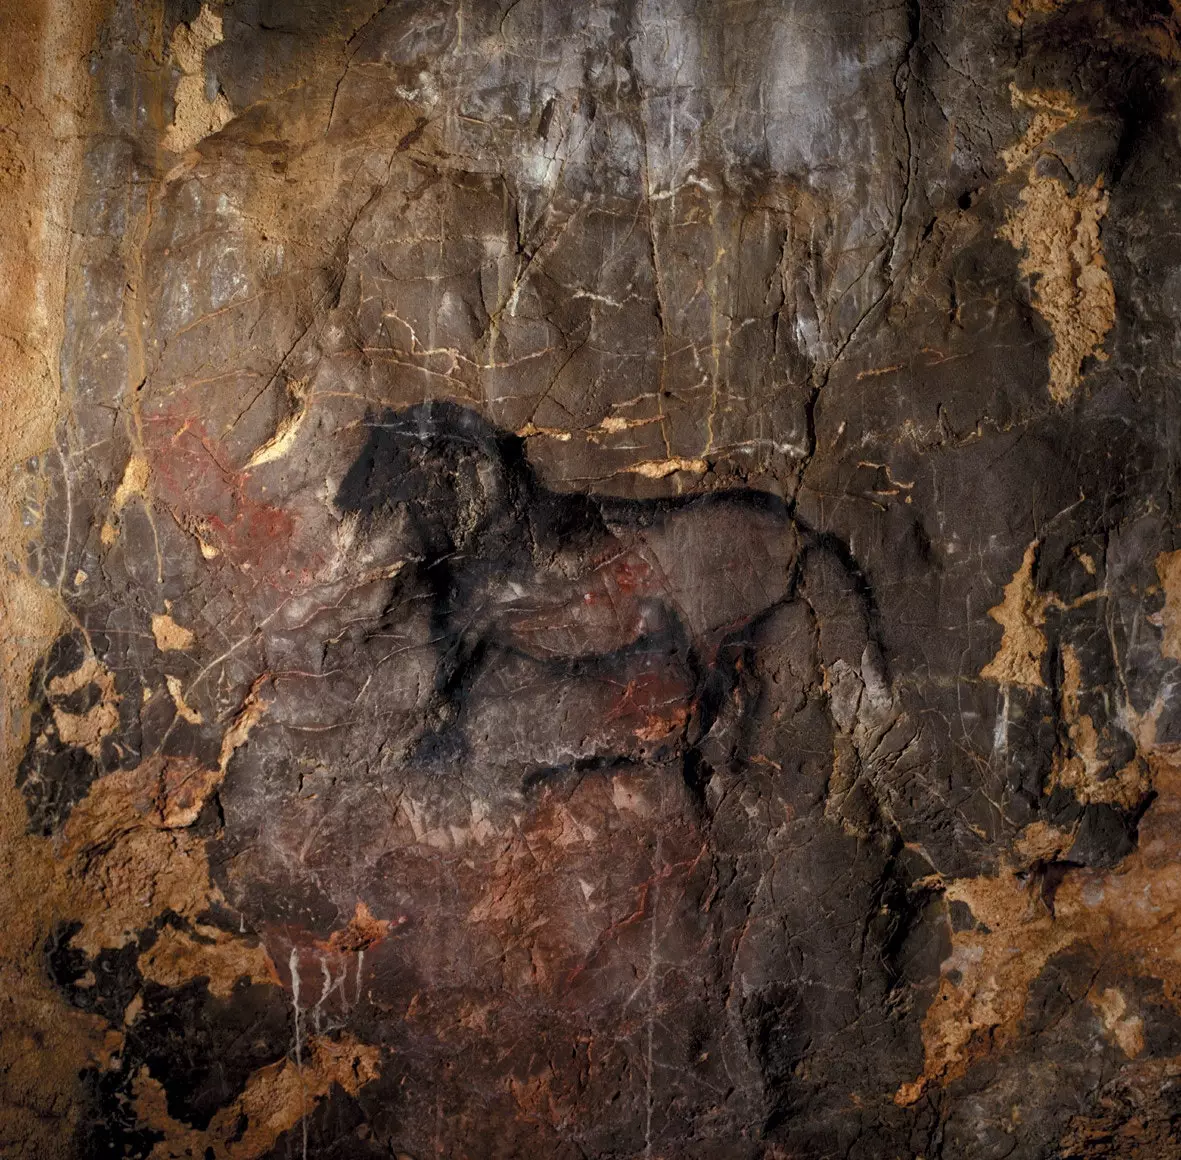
(591, 580)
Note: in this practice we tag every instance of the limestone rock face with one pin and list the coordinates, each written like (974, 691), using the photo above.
(591, 580)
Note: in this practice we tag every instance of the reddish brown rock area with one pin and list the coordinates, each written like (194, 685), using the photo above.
(594, 581)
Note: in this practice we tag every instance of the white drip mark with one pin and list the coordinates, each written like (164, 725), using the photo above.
(360, 961)
(325, 991)
(1000, 735)
(293, 967)
(330, 985)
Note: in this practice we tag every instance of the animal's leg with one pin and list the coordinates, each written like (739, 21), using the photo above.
(462, 657)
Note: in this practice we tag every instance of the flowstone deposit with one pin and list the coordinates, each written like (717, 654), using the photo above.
(591, 580)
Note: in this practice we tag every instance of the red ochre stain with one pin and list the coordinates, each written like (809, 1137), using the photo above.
(256, 527)
(553, 906)
(647, 694)
(631, 574)
(191, 476)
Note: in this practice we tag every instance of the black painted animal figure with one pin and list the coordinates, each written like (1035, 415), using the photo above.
(575, 630)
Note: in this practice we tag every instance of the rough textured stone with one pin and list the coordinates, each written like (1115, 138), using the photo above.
(591, 580)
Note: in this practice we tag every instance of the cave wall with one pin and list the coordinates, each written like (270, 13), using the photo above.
(590, 580)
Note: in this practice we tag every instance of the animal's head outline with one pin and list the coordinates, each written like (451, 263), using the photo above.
(444, 465)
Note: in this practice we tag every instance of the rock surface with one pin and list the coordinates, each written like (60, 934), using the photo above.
(591, 580)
